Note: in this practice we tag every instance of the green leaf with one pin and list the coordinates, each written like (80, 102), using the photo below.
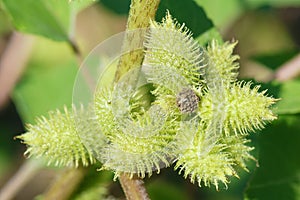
(274, 3)
(289, 94)
(220, 16)
(50, 18)
(216, 12)
(275, 60)
(222, 13)
(94, 185)
(278, 176)
(48, 82)
(80, 5)
(42, 90)
(165, 190)
(118, 6)
(188, 12)
(210, 34)
(5, 26)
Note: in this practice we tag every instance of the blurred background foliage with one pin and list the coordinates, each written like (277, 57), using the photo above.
(59, 34)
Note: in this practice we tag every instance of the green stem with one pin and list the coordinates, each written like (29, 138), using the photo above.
(141, 11)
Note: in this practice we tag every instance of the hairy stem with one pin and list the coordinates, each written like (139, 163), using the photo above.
(133, 187)
(141, 11)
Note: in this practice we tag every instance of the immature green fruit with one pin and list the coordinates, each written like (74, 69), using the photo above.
(223, 65)
(176, 60)
(246, 109)
(56, 140)
(138, 144)
(238, 150)
(200, 160)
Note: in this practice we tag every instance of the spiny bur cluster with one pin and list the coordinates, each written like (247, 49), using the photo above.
(192, 111)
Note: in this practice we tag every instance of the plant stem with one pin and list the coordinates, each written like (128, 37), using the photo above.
(66, 184)
(133, 187)
(141, 11)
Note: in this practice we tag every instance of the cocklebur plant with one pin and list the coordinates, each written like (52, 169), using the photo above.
(190, 110)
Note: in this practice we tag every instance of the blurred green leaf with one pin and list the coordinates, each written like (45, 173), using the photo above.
(42, 90)
(119, 6)
(275, 60)
(289, 93)
(221, 12)
(48, 82)
(165, 190)
(80, 5)
(278, 176)
(5, 162)
(94, 185)
(5, 26)
(10, 125)
(210, 34)
(274, 3)
(50, 18)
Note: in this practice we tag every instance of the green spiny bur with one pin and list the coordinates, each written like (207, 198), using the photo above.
(56, 139)
(138, 143)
